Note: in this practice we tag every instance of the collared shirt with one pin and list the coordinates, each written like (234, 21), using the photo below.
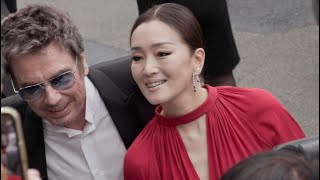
(96, 153)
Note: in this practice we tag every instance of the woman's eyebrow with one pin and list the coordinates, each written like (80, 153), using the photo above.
(137, 48)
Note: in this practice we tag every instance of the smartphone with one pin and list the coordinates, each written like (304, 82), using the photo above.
(14, 163)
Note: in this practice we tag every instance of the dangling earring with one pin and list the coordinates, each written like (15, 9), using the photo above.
(195, 79)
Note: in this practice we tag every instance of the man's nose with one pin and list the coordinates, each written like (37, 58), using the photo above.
(51, 96)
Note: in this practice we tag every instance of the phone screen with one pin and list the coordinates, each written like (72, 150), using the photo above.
(11, 163)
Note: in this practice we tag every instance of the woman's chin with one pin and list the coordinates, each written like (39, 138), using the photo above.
(154, 101)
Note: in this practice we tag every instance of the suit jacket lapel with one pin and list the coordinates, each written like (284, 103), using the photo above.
(35, 142)
(116, 102)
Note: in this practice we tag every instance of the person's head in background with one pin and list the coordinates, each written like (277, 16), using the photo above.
(43, 52)
(289, 163)
(168, 56)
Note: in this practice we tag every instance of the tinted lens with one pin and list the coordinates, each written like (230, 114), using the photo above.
(64, 81)
(31, 92)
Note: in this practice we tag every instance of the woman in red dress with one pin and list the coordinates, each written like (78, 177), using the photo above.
(198, 131)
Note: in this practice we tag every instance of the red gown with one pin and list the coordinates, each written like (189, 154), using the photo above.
(240, 122)
(14, 178)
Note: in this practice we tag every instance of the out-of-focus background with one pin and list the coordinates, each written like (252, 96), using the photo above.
(278, 42)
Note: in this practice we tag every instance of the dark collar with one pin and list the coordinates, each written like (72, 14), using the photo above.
(108, 91)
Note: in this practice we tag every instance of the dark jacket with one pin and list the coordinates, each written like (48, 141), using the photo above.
(128, 108)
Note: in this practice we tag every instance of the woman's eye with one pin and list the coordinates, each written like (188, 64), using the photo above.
(136, 58)
(162, 54)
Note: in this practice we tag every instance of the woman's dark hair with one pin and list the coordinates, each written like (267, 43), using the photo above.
(179, 18)
(285, 164)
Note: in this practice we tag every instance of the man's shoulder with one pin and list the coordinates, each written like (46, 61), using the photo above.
(121, 64)
(118, 71)
(13, 101)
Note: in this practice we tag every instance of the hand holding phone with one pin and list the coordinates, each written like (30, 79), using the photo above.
(13, 152)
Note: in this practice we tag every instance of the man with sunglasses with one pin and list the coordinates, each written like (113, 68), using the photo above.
(78, 121)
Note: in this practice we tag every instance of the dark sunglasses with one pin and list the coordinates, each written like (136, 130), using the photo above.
(61, 82)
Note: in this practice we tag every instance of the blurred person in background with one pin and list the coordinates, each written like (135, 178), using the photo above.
(290, 163)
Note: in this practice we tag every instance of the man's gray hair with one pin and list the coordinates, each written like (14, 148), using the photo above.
(33, 28)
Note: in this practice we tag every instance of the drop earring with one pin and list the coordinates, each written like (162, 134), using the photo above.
(195, 79)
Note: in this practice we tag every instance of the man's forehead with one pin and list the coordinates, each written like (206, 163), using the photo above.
(40, 66)
(38, 74)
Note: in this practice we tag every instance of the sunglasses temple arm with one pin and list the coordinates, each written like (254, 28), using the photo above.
(14, 89)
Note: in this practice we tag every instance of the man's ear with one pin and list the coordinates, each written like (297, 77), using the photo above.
(83, 60)
(199, 58)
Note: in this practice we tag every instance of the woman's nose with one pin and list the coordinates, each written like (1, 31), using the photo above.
(151, 66)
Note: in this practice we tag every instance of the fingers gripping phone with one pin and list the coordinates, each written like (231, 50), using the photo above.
(13, 152)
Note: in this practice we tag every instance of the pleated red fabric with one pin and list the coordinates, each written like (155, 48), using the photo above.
(240, 123)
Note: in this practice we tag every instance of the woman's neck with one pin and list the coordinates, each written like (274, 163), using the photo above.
(185, 103)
